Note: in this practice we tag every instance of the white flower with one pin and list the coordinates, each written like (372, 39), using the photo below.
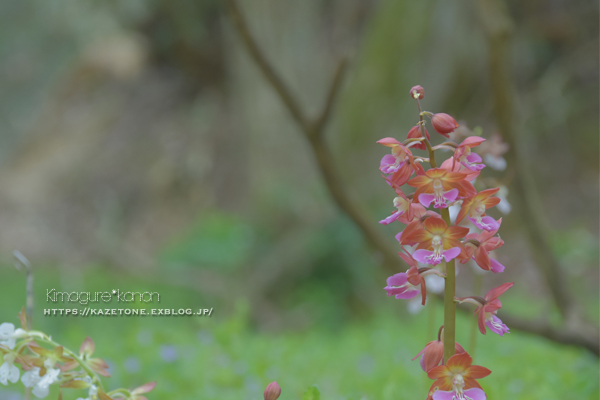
(8, 334)
(8, 372)
(40, 384)
(92, 394)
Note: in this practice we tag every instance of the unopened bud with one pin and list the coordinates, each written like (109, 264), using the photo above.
(444, 123)
(273, 391)
(417, 92)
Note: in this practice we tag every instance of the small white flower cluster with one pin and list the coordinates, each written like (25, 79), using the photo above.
(31, 378)
(9, 372)
(45, 366)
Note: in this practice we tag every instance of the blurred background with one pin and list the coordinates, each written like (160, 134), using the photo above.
(141, 147)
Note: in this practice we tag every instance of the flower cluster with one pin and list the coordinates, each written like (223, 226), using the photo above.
(45, 362)
(432, 241)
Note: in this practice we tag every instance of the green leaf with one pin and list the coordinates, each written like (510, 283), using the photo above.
(312, 394)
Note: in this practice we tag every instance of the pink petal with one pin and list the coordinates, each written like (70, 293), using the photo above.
(472, 141)
(426, 199)
(409, 294)
(451, 195)
(475, 394)
(397, 280)
(399, 236)
(497, 326)
(441, 395)
(451, 253)
(474, 158)
(391, 218)
(496, 266)
(421, 255)
(487, 223)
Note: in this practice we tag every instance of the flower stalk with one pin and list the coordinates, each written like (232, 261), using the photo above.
(431, 238)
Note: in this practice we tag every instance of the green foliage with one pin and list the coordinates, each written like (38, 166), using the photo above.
(224, 358)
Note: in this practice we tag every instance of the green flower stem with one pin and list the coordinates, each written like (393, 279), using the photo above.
(450, 287)
(449, 304)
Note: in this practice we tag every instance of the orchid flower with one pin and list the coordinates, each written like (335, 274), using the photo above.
(478, 246)
(457, 379)
(440, 187)
(8, 371)
(404, 285)
(400, 164)
(466, 157)
(433, 353)
(436, 241)
(406, 210)
(487, 307)
(452, 166)
(391, 163)
(40, 384)
(9, 335)
(475, 206)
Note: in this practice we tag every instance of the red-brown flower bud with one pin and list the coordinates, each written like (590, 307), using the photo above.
(444, 123)
(273, 391)
(417, 92)
(415, 132)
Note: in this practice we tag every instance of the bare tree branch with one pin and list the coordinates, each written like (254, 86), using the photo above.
(257, 55)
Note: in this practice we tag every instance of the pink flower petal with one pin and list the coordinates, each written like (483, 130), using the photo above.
(451, 253)
(426, 199)
(397, 280)
(409, 294)
(487, 223)
(422, 256)
(451, 195)
(399, 236)
(496, 266)
(474, 158)
(442, 395)
(497, 326)
(391, 218)
(475, 394)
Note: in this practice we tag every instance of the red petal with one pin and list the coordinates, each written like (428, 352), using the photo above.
(481, 320)
(472, 141)
(389, 142)
(477, 372)
(466, 205)
(435, 225)
(419, 181)
(498, 291)
(459, 363)
(414, 236)
(438, 372)
(433, 355)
